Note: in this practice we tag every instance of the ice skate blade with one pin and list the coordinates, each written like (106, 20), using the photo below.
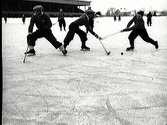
(30, 54)
(84, 49)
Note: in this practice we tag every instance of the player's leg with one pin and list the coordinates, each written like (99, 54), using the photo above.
(144, 35)
(83, 38)
(131, 38)
(31, 39)
(51, 38)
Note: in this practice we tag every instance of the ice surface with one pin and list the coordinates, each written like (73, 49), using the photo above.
(85, 88)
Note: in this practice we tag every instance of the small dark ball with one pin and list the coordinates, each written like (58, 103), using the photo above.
(122, 53)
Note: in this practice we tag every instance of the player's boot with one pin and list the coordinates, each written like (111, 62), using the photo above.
(156, 45)
(85, 48)
(63, 50)
(130, 49)
(31, 52)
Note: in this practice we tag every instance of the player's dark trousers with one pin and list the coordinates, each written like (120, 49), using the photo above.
(74, 28)
(143, 34)
(47, 33)
(62, 23)
(149, 22)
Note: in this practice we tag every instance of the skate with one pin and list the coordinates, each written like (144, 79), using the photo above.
(85, 48)
(130, 49)
(63, 50)
(31, 52)
(156, 45)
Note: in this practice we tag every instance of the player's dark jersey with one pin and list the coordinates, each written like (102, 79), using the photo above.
(42, 22)
(83, 20)
(138, 23)
(61, 16)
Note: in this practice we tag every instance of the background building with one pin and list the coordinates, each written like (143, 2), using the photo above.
(15, 8)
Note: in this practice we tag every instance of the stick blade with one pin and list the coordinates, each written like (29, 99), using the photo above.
(108, 53)
(24, 60)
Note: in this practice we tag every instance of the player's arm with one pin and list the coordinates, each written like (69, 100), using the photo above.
(30, 28)
(93, 33)
(128, 28)
(130, 22)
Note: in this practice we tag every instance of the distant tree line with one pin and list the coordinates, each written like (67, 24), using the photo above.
(124, 12)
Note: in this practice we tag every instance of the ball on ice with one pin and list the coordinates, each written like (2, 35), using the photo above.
(122, 53)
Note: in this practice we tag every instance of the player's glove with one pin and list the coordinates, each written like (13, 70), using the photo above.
(124, 30)
(98, 37)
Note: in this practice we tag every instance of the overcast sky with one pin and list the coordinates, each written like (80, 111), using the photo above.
(103, 5)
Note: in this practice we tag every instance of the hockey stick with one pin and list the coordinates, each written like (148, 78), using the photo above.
(112, 34)
(54, 23)
(107, 52)
(25, 55)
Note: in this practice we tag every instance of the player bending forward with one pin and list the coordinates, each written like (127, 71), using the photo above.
(83, 20)
(43, 24)
(138, 29)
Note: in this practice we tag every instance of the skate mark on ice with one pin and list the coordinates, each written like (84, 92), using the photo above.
(134, 74)
(19, 112)
(159, 52)
(44, 100)
(40, 95)
(114, 114)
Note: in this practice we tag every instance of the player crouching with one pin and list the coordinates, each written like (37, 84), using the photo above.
(43, 24)
(83, 20)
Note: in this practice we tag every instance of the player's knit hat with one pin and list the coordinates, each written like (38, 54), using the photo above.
(140, 12)
(38, 7)
(89, 12)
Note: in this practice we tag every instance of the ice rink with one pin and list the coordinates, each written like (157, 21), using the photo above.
(85, 88)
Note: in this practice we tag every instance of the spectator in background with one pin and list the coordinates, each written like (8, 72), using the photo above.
(23, 19)
(91, 21)
(149, 19)
(61, 20)
(115, 17)
(5, 18)
(119, 17)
